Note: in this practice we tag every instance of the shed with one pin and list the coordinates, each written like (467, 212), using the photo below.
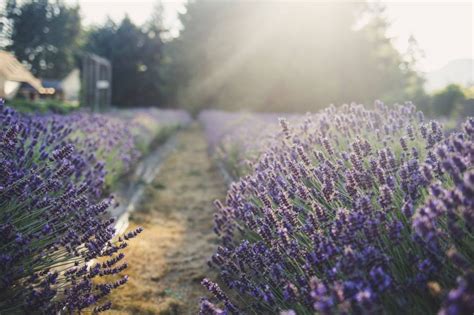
(97, 81)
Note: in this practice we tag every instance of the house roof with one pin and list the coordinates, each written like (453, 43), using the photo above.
(56, 84)
(49, 86)
(11, 69)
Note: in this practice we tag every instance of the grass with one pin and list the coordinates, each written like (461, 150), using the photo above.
(42, 106)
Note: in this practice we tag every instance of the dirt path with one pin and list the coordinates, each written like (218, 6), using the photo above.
(169, 259)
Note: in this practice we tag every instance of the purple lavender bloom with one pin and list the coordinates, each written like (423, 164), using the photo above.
(369, 201)
(207, 308)
(460, 300)
(53, 211)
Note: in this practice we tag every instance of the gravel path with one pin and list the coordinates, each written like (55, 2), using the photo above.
(169, 259)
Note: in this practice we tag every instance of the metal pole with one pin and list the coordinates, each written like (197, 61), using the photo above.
(96, 89)
(109, 90)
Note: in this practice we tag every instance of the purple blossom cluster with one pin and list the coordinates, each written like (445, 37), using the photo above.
(120, 138)
(355, 210)
(148, 124)
(237, 139)
(108, 141)
(54, 226)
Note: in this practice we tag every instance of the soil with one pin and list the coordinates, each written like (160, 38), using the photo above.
(169, 259)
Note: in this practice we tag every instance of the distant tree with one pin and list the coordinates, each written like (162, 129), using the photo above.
(447, 100)
(153, 87)
(101, 40)
(127, 63)
(382, 63)
(136, 56)
(284, 55)
(5, 23)
(414, 80)
(44, 34)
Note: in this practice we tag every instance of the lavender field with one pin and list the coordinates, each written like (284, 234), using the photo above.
(350, 210)
(57, 173)
(237, 157)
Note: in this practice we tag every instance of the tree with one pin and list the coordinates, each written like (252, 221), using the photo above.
(5, 23)
(414, 87)
(153, 89)
(137, 60)
(44, 35)
(284, 56)
(446, 100)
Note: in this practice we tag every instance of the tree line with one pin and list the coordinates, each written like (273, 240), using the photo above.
(274, 56)
(49, 38)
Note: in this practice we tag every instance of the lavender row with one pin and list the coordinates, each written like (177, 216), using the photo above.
(236, 139)
(354, 210)
(147, 123)
(122, 137)
(55, 234)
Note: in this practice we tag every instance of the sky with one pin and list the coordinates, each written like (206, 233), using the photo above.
(95, 12)
(444, 30)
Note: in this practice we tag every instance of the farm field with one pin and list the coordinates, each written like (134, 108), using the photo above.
(350, 209)
(209, 157)
(353, 209)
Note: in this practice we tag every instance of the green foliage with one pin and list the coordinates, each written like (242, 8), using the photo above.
(43, 106)
(115, 167)
(160, 136)
(136, 56)
(285, 56)
(445, 101)
(44, 35)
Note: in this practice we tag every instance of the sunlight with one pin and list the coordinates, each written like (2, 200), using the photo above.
(236, 157)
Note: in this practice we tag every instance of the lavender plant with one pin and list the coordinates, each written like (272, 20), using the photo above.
(104, 139)
(151, 125)
(53, 221)
(354, 211)
(120, 138)
(237, 139)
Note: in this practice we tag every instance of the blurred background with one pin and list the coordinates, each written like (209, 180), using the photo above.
(287, 56)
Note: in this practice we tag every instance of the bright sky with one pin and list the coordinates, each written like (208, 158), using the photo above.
(444, 30)
(97, 11)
